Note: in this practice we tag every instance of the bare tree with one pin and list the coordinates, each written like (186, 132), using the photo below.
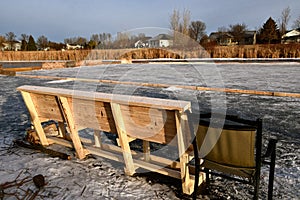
(238, 31)
(122, 40)
(42, 42)
(197, 30)
(104, 39)
(10, 38)
(2, 40)
(24, 37)
(95, 38)
(175, 20)
(76, 40)
(296, 24)
(222, 29)
(81, 41)
(186, 18)
(284, 20)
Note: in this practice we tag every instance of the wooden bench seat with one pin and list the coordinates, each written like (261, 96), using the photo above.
(156, 120)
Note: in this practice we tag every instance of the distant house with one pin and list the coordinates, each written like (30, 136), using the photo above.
(249, 38)
(74, 46)
(142, 43)
(227, 39)
(222, 38)
(161, 40)
(14, 46)
(292, 36)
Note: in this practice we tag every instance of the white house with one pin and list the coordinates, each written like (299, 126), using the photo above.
(161, 40)
(291, 37)
(74, 46)
(15, 46)
(141, 44)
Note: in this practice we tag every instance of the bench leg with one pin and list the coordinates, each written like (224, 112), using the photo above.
(123, 139)
(62, 130)
(35, 118)
(182, 131)
(81, 153)
(146, 150)
(97, 137)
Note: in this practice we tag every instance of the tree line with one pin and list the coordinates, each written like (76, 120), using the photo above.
(270, 33)
(180, 22)
(96, 41)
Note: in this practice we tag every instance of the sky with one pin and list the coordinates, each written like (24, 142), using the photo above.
(60, 19)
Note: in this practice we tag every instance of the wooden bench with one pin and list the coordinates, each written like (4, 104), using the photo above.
(155, 120)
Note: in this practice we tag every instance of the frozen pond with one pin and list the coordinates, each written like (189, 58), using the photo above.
(281, 117)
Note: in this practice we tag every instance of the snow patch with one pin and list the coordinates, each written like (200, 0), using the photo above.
(58, 81)
(173, 88)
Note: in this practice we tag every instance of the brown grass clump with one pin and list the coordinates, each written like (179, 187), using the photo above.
(150, 53)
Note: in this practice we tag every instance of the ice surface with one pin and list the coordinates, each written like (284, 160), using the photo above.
(97, 178)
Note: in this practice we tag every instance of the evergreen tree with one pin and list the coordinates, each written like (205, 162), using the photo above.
(24, 45)
(269, 33)
(31, 44)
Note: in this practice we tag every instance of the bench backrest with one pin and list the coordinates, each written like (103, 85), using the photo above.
(139, 117)
(236, 145)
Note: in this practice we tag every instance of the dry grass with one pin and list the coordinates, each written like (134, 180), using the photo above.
(247, 51)
(256, 51)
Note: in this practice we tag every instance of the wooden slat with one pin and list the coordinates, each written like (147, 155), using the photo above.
(47, 107)
(95, 151)
(151, 124)
(92, 114)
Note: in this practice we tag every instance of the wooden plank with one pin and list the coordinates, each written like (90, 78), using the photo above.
(81, 153)
(47, 107)
(59, 141)
(165, 104)
(93, 114)
(106, 154)
(151, 124)
(35, 118)
(158, 168)
(130, 169)
(95, 151)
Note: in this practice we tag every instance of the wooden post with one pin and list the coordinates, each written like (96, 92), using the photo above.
(73, 129)
(182, 131)
(35, 118)
(123, 139)
(62, 130)
(97, 137)
(146, 150)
